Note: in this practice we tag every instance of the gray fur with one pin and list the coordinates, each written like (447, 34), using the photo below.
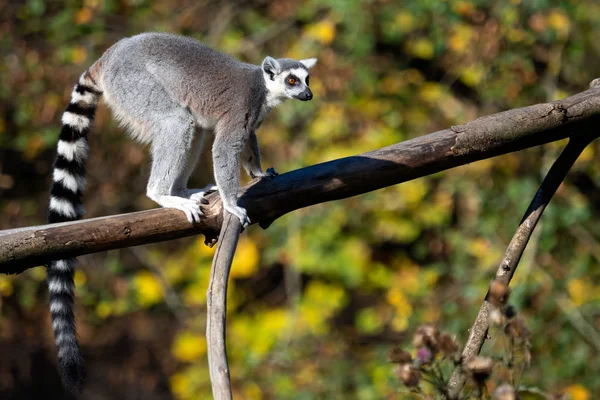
(162, 87)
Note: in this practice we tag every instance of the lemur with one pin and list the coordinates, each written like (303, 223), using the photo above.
(163, 87)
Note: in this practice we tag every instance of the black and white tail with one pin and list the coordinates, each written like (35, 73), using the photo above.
(65, 205)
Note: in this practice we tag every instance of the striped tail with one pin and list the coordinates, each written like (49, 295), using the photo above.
(66, 205)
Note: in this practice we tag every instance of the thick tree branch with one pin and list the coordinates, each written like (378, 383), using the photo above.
(269, 199)
(516, 247)
(216, 303)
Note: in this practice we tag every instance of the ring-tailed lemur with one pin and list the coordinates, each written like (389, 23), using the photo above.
(161, 87)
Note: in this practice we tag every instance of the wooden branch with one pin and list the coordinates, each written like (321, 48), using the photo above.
(216, 303)
(269, 199)
(514, 251)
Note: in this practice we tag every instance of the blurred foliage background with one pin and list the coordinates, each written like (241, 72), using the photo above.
(316, 300)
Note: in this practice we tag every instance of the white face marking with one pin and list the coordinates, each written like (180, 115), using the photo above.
(278, 90)
(275, 90)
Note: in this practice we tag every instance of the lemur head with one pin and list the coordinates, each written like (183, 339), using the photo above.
(287, 79)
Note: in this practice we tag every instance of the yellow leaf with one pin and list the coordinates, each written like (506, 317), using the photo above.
(577, 392)
(180, 385)
(431, 314)
(307, 375)
(319, 302)
(330, 122)
(83, 16)
(431, 92)
(314, 320)
(405, 21)
(422, 48)
(323, 31)
(79, 278)
(579, 290)
(477, 247)
(586, 156)
(430, 277)
(380, 375)
(37, 273)
(464, 8)
(103, 309)
(195, 294)
(78, 55)
(399, 323)
(408, 278)
(403, 230)
(245, 262)
(461, 38)
(413, 192)
(559, 22)
(6, 287)
(275, 320)
(368, 320)
(515, 35)
(34, 146)
(199, 249)
(401, 305)
(252, 391)
(414, 76)
(148, 289)
(189, 346)
(473, 74)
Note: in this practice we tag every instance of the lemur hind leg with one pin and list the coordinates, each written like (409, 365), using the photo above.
(181, 184)
(171, 149)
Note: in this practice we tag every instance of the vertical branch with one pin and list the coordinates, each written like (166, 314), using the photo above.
(516, 247)
(216, 302)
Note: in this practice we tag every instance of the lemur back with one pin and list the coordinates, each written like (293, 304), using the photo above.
(162, 88)
(151, 75)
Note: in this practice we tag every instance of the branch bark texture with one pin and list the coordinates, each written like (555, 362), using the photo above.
(216, 303)
(268, 199)
(516, 247)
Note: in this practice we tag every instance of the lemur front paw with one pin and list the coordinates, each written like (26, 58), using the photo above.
(239, 212)
(270, 172)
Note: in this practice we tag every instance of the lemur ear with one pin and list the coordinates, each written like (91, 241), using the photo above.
(271, 66)
(309, 62)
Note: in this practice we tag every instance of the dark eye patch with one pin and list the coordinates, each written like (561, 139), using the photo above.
(307, 80)
(291, 77)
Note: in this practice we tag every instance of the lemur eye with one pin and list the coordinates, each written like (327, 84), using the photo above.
(291, 81)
